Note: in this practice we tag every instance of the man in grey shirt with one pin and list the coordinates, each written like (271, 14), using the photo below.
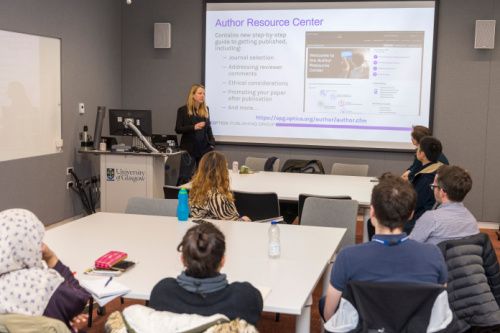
(450, 220)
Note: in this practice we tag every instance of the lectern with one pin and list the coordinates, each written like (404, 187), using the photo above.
(128, 174)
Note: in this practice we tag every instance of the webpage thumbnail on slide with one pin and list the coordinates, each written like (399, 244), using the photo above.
(342, 66)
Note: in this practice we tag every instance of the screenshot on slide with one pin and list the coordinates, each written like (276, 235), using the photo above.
(342, 66)
(345, 74)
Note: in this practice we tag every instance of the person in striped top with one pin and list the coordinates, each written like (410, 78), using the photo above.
(210, 196)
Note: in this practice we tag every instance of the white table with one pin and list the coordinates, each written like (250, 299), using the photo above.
(152, 242)
(289, 185)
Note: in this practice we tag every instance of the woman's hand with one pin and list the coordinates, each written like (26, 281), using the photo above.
(405, 175)
(246, 219)
(199, 126)
(79, 322)
(49, 256)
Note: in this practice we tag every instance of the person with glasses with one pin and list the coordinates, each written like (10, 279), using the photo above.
(451, 219)
(428, 152)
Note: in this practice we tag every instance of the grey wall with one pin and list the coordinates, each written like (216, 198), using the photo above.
(159, 79)
(91, 73)
(467, 116)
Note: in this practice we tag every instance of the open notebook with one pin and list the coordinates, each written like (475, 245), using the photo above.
(102, 291)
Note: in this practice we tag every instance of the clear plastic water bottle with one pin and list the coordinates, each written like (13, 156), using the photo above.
(182, 205)
(274, 240)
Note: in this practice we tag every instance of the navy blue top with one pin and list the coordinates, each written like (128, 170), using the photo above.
(425, 196)
(397, 260)
(237, 300)
(416, 166)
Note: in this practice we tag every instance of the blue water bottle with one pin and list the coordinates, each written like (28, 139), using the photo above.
(182, 205)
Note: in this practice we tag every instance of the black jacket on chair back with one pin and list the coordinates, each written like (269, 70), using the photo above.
(473, 280)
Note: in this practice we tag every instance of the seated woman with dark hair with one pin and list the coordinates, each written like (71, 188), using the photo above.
(201, 288)
(33, 281)
(210, 196)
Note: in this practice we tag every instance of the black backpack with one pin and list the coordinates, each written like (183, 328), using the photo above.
(303, 166)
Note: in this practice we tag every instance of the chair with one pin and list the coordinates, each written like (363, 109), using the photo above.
(150, 206)
(394, 307)
(303, 197)
(340, 213)
(258, 163)
(332, 213)
(257, 206)
(170, 191)
(350, 169)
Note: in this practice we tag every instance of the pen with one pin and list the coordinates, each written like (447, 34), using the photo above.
(107, 282)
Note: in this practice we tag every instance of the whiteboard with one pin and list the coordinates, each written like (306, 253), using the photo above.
(30, 95)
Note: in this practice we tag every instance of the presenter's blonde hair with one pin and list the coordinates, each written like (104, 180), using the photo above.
(202, 110)
(210, 177)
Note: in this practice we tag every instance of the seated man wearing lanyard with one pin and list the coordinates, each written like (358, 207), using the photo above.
(390, 256)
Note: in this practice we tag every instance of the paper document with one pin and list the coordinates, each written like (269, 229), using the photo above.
(99, 288)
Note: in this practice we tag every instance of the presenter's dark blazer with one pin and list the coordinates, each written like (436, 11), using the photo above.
(185, 126)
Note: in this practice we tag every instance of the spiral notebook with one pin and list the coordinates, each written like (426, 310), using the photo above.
(100, 288)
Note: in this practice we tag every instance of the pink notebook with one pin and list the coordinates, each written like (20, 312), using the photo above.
(109, 259)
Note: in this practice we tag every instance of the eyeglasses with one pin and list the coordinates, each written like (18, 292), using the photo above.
(433, 186)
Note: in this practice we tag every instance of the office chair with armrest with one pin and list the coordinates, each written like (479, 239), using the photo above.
(350, 169)
(257, 206)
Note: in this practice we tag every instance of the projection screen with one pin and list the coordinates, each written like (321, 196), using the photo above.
(328, 74)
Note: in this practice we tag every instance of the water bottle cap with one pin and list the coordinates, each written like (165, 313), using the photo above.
(183, 190)
(274, 222)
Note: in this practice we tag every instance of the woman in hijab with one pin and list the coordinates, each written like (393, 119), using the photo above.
(33, 281)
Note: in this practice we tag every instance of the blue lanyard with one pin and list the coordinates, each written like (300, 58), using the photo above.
(390, 242)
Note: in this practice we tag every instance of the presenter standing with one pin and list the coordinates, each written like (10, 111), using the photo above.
(193, 122)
